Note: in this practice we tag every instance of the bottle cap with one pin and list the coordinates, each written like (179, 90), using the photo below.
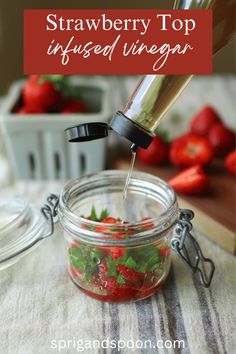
(87, 132)
(120, 124)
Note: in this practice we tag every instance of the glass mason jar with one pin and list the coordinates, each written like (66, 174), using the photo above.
(118, 249)
(127, 258)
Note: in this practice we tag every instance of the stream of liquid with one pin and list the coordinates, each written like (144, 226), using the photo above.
(133, 157)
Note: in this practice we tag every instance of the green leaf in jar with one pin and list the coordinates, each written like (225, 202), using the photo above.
(155, 258)
(86, 277)
(93, 214)
(86, 258)
(130, 263)
(104, 214)
(76, 263)
(111, 264)
(75, 252)
(95, 255)
(146, 257)
(120, 279)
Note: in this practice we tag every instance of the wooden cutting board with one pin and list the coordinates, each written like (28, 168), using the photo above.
(215, 212)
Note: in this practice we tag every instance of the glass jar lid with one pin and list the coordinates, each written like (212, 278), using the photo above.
(22, 227)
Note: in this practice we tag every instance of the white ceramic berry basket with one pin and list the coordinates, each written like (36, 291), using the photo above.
(37, 145)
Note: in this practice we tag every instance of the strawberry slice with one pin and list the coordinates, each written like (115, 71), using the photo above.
(110, 220)
(117, 252)
(230, 162)
(113, 251)
(110, 283)
(189, 150)
(132, 278)
(190, 181)
(165, 251)
(148, 225)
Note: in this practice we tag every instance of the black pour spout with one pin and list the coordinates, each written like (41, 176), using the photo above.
(120, 124)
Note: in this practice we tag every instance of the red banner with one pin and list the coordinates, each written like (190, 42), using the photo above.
(117, 42)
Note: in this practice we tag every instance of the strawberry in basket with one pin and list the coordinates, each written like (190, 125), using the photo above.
(40, 93)
(50, 93)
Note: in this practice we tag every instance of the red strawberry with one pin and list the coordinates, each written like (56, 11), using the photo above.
(119, 234)
(116, 289)
(74, 245)
(113, 251)
(95, 280)
(117, 252)
(190, 181)
(132, 278)
(165, 251)
(156, 153)
(189, 150)
(221, 139)
(230, 162)
(33, 110)
(103, 269)
(110, 283)
(148, 225)
(110, 220)
(204, 120)
(39, 93)
(73, 106)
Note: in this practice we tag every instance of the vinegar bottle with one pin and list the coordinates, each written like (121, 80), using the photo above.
(156, 93)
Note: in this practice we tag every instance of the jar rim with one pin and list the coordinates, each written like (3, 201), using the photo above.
(167, 216)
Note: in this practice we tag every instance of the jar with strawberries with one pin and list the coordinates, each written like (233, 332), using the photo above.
(118, 245)
(119, 248)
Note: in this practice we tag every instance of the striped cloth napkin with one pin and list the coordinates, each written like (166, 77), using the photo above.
(42, 311)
